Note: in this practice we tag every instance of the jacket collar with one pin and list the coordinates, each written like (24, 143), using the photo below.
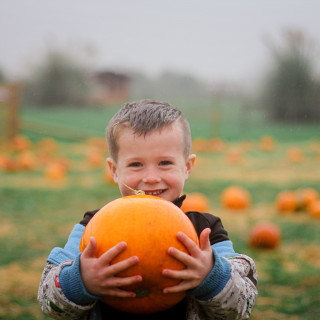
(178, 201)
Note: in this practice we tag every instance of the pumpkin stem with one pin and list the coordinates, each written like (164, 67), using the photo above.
(136, 192)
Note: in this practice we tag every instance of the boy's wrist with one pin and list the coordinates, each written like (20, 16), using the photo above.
(72, 286)
(215, 281)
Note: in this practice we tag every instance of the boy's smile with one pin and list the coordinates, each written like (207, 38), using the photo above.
(154, 163)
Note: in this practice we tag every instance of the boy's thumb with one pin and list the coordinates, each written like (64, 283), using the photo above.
(90, 250)
(204, 239)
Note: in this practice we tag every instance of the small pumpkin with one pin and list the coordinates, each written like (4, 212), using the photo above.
(149, 225)
(200, 145)
(195, 201)
(56, 170)
(234, 155)
(305, 197)
(264, 235)
(286, 201)
(20, 143)
(267, 143)
(27, 160)
(235, 198)
(314, 209)
(95, 158)
(216, 145)
(295, 155)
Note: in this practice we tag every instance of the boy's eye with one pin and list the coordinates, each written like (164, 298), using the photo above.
(135, 164)
(165, 163)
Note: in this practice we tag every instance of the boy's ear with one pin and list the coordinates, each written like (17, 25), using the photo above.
(113, 169)
(190, 164)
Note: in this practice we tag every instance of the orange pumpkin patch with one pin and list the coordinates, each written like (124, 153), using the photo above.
(149, 226)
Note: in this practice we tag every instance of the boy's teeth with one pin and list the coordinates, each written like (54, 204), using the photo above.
(153, 193)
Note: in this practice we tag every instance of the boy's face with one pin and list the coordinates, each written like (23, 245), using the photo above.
(154, 163)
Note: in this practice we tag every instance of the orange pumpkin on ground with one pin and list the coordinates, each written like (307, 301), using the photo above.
(96, 158)
(286, 201)
(149, 225)
(267, 143)
(314, 209)
(234, 155)
(200, 145)
(56, 170)
(195, 202)
(305, 197)
(20, 143)
(295, 155)
(265, 235)
(12, 165)
(27, 160)
(3, 161)
(216, 145)
(235, 198)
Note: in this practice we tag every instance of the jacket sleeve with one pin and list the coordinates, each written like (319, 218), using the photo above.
(52, 299)
(61, 292)
(229, 291)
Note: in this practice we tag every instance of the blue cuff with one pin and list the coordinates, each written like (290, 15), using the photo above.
(71, 249)
(215, 281)
(72, 285)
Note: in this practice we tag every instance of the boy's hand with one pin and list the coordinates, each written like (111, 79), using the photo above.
(198, 264)
(100, 277)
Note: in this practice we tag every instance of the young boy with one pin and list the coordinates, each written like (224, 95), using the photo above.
(150, 150)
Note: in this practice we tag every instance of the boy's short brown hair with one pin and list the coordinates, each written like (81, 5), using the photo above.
(144, 116)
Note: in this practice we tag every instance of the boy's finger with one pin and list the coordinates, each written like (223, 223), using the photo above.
(120, 266)
(188, 243)
(118, 282)
(181, 256)
(180, 287)
(112, 253)
(204, 239)
(90, 250)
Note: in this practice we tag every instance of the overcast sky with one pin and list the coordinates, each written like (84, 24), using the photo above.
(219, 40)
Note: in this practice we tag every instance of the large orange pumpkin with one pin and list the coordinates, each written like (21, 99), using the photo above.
(149, 225)
(265, 235)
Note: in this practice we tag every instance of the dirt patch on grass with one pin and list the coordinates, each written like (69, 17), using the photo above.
(7, 228)
(19, 284)
(256, 170)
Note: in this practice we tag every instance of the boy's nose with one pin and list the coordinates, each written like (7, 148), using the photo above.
(151, 176)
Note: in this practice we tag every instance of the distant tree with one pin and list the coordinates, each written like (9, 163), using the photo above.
(58, 80)
(291, 89)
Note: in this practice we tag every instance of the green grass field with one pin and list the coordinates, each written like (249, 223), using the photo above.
(37, 214)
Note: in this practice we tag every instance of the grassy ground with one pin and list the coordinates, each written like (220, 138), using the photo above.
(37, 214)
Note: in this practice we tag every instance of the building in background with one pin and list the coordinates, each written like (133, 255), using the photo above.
(110, 87)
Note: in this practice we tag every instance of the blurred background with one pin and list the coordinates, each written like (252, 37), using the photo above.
(245, 74)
